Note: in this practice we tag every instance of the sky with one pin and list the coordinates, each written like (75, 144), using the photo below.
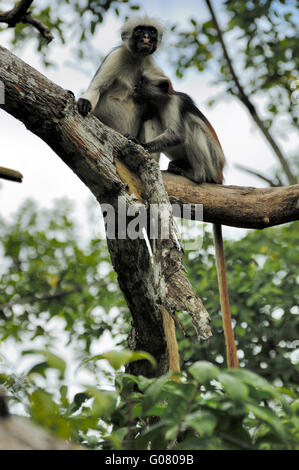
(47, 178)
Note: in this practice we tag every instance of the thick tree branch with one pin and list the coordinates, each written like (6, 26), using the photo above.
(235, 206)
(15, 15)
(20, 14)
(246, 101)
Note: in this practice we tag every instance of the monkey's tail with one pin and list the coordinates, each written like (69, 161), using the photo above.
(231, 351)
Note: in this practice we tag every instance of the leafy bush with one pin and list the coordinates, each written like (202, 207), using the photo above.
(208, 409)
(46, 276)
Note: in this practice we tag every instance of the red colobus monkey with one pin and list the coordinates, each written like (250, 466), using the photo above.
(187, 138)
(109, 96)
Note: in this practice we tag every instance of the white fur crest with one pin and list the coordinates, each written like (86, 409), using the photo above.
(130, 24)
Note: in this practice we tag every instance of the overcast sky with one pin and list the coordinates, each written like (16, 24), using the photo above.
(47, 178)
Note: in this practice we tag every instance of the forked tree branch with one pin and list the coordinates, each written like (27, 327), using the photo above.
(20, 14)
(94, 152)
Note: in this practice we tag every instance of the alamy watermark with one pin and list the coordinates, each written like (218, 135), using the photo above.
(137, 222)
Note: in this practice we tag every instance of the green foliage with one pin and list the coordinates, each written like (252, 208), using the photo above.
(262, 40)
(262, 270)
(234, 410)
(266, 37)
(117, 359)
(67, 20)
(47, 275)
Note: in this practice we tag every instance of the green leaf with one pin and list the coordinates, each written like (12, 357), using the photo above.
(202, 421)
(52, 360)
(204, 371)
(104, 401)
(118, 359)
(233, 387)
(153, 391)
(268, 416)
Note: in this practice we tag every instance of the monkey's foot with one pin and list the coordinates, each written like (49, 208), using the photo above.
(173, 168)
(132, 139)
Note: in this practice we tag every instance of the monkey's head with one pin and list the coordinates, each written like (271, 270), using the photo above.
(153, 90)
(142, 35)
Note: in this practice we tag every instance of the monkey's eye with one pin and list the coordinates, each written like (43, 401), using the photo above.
(164, 86)
(138, 30)
(153, 31)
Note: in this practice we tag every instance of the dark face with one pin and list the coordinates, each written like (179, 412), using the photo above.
(144, 40)
(151, 91)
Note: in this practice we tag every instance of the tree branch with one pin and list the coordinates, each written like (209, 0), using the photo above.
(15, 15)
(246, 101)
(11, 175)
(270, 182)
(20, 14)
(235, 206)
(92, 151)
(42, 298)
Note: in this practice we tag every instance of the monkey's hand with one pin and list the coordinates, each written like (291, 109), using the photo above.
(132, 139)
(84, 106)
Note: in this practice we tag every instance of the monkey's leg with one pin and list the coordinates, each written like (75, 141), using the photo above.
(174, 167)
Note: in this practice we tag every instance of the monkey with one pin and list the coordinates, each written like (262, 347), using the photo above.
(188, 139)
(110, 98)
(109, 95)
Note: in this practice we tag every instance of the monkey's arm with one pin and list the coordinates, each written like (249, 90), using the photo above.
(102, 80)
(172, 125)
(169, 138)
